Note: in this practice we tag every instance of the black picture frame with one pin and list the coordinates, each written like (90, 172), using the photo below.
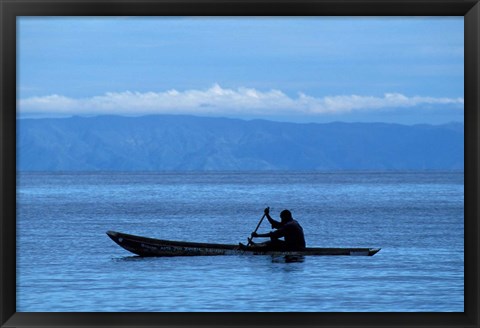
(10, 9)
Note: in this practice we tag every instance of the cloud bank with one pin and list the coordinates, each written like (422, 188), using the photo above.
(221, 101)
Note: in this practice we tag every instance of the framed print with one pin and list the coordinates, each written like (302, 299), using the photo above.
(237, 163)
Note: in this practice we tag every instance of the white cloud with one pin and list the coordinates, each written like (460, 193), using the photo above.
(218, 100)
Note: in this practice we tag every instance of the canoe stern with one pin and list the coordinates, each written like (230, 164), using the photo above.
(151, 247)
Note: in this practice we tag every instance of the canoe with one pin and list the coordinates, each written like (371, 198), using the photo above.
(144, 246)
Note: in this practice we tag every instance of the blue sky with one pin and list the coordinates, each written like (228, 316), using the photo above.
(403, 70)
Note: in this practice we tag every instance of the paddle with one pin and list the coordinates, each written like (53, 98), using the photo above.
(258, 226)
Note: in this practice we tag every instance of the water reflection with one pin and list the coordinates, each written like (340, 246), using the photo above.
(128, 258)
(275, 258)
(287, 258)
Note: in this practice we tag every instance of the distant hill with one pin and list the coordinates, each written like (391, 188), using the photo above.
(169, 142)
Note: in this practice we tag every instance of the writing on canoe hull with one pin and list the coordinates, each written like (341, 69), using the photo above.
(183, 250)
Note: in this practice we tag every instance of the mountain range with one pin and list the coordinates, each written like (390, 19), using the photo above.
(171, 142)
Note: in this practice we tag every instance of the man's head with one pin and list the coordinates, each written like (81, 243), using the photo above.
(286, 216)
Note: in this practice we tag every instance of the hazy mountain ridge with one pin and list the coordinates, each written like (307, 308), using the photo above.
(169, 142)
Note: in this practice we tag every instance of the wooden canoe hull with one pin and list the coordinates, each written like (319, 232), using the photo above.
(144, 246)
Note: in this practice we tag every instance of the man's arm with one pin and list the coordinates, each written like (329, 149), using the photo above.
(254, 234)
(275, 234)
(275, 224)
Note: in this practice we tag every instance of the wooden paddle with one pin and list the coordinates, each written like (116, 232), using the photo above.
(258, 226)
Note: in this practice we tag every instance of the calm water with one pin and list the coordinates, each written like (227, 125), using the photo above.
(66, 262)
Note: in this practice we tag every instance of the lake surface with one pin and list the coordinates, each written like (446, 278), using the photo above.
(66, 262)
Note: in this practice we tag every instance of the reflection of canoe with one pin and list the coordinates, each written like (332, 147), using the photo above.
(144, 246)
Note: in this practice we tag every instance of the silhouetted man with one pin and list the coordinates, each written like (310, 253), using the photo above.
(288, 228)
